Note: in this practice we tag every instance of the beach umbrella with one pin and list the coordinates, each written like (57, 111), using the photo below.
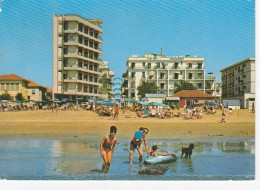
(128, 100)
(98, 101)
(79, 98)
(91, 99)
(144, 103)
(5, 101)
(57, 99)
(144, 99)
(108, 103)
(64, 98)
(152, 104)
(160, 104)
(105, 99)
(18, 101)
(43, 101)
(210, 103)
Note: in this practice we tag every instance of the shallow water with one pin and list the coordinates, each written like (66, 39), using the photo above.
(40, 159)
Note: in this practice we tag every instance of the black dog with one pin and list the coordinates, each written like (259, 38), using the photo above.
(187, 151)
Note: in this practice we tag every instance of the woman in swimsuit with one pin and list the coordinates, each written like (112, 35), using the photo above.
(106, 150)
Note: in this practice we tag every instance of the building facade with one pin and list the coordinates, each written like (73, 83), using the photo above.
(106, 81)
(14, 84)
(238, 82)
(166, 72)
(76, 57)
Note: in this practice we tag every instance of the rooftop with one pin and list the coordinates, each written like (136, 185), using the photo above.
(12, 77)
(238, 63)
(191, 94)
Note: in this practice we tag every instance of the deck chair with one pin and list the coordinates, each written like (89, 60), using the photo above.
(145, 114)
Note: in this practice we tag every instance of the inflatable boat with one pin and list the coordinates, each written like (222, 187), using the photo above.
(160, 159)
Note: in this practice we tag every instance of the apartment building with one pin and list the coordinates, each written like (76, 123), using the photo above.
(238, 81)
(166, 72)
(106, 81)
(76, 56)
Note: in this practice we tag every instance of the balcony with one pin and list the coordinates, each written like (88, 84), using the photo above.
(211, 78)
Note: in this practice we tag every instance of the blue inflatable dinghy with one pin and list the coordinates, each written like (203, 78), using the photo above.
(160, 159)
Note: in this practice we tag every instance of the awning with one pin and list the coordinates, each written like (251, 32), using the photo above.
(172, 98)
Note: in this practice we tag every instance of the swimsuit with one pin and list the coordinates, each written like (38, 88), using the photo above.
(107, 146)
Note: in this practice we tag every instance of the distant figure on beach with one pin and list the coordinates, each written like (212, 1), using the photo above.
(117, 112)
(107, 148)
(155, 153)
(224, 111)
(138, 139)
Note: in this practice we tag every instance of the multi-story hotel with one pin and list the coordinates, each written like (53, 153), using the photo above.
(166, 72)
(76, 52)
(238, 81)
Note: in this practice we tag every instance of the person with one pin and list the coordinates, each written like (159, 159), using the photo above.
(155, 153)
(107, 148)
(223, 114)
(136, 142)
(117, 112)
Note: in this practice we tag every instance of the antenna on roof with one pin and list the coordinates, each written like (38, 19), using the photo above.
(161, 51)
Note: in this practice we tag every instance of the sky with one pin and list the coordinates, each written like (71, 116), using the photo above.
(223, 32)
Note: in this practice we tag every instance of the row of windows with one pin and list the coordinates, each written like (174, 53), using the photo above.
(9, 86)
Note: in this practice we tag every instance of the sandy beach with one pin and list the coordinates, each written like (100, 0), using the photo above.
(82, 124)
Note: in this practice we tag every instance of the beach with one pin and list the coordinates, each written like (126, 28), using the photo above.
(80, 125)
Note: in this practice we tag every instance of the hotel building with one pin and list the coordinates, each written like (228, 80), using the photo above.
(76, 52)
(166, 72)
(238, 82)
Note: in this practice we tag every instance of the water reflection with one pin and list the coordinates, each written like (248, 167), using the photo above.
(52, 159)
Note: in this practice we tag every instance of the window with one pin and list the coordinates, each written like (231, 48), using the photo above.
(143, 64)
(176, 65)
(133, 75)
(149, 66)
(244, 87)
(190, 75)
(190, 65)
(2, 86)
(199, 85)
(162, 76)
(33, 91)
(133, 65)
(162, 85)
(244, 65)
(244, 76)
(199, 66)
(132, 95)
(7, 86)
(143, 74)
(12, 86)
(176, 76)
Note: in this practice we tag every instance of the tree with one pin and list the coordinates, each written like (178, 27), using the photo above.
(184, 86)
(6, 96)
(19, 97)
(146, 88)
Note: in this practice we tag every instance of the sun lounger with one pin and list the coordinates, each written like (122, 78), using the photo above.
(145, 114)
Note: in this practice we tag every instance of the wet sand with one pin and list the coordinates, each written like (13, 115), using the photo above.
(78, 125)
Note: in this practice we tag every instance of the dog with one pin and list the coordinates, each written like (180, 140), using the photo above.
(187, 151)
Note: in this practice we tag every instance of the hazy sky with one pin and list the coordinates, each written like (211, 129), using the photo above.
(222, 31)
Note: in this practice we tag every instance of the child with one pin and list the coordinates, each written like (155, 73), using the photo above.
(155, 153)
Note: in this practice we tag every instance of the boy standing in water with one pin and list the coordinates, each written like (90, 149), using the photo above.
(136, 143)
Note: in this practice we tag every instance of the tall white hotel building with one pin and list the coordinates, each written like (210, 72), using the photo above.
(76, 52)
(166, 72)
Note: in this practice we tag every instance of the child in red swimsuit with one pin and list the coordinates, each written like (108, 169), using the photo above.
(107, 148)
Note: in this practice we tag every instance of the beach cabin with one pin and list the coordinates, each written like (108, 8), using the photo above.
(158, 98)
(192, 97)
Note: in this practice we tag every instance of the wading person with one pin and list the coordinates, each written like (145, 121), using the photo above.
(138, 139)
(224, 111)
(107, 148)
